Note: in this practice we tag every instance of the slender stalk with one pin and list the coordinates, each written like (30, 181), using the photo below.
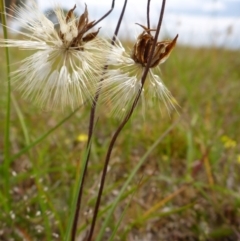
(105, 15)
(130, 178)
(91, 127)
(8, 105)
(125, 120)
(148, 14)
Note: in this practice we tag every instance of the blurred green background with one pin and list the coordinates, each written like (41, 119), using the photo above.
(187, 189)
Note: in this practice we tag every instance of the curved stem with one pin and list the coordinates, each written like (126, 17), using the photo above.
(121, 126)
(91, 127)
(105, 15)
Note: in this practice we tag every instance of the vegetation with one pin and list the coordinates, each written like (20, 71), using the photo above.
(186, 189)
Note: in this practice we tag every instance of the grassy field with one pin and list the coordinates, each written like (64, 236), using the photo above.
(186, 189)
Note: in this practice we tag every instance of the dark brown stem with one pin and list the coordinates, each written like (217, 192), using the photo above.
(148, 14)
(105, 15)
(92, 120)
(125, 120)
(91, 126)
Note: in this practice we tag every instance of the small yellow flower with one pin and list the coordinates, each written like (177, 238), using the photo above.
(82, 138)
(228, 143)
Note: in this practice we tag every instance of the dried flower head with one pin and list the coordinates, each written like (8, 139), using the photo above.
(123, 80)
(67, 62)
(143, 47)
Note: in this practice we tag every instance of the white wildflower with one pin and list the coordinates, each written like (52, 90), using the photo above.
(66, 64)
(123, 80)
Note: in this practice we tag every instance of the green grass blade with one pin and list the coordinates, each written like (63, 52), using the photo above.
(21, 120)
(75, 195)
(6, 163)
(43, 136)
(131, 176)
(121, 217)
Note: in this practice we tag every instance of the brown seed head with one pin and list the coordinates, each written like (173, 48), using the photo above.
(82, 25)
(143, 46)
(70, 13)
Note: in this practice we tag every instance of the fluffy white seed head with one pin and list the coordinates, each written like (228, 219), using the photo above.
(123, 82)
(57, 74)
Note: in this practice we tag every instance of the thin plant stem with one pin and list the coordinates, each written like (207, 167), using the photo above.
(8, 104)
(131, 175)
(121, 126)
(72, 215)
(105, 15)
(148, 14)
(91, 127)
